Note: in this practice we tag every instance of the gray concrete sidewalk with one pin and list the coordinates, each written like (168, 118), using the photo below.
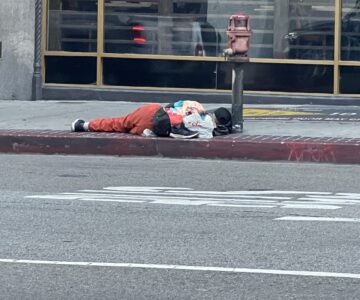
(58, 115)
(44, 127)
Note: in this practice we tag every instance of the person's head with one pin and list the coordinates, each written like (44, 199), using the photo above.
(223, 118)
(161, 123)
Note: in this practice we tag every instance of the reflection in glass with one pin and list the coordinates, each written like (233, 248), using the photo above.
(311, 29)
(301, 29)
(159, 27)
(72, 25)
(350, 30)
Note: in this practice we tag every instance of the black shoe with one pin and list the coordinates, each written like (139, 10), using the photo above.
(182, 132)
(78, 125)
(191, 135)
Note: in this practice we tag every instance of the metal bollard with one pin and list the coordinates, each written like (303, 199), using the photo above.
(238, 34)
(237, 103)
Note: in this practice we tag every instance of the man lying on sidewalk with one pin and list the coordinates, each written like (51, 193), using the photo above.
(153, 119)
(192, 116)
(147, 117)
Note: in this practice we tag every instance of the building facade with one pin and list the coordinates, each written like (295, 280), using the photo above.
(17, 48)
(298, 48)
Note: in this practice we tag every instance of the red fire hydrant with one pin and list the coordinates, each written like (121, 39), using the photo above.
(238, 33)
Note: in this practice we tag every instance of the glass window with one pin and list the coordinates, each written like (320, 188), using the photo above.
(159, 73)
(164, 27)
(350, 30)
(280, 77)
(70, 70)
(301, 29)
(72, 25)
(349, 80)
(217, 75)
(304, 29)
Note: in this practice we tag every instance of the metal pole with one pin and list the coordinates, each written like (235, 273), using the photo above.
(237, 97)
(37, 80)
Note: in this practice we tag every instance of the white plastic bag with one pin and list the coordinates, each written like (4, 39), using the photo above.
(203, 123)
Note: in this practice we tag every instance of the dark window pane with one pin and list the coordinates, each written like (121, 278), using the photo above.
(210, 75)
(349, 80)
(75, 70)
(350, 30)
(72, 25)
(159, 73)
(281, 77)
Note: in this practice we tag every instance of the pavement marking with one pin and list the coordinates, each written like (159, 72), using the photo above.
(183, 268)
(310, 206)
(189, 197)
(173, 189)
(243, 205)
(307, 115)
(260, 112)
(318, 219)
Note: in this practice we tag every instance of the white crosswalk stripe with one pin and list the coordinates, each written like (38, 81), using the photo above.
(187, 196)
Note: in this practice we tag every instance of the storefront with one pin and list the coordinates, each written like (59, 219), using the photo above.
(298, 47)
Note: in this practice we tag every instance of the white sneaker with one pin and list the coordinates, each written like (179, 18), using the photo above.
(148, 132)
(181, 136)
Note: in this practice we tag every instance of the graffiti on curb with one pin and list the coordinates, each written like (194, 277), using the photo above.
(311, 152)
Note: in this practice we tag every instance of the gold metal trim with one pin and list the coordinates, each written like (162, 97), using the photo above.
(337, 46)
(161, 57)
(49, 84)
(349, 63)
(64, 53)
(44, 13)
(216, 59)
(291, 61)
(143, 88)
(100, 43)
(189, 58)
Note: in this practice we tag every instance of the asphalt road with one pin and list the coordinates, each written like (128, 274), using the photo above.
(75, 227)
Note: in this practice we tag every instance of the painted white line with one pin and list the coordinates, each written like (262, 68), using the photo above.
(349, 194)
(184, 268)
(144, 188)
(187, 196)
(318, 219)
(190, 190)
(242, 205)
(309, 206)
(189, 201)
(154, 201)
(180, 202)
(79, 196)
(84, 198)
(255, 193)
(171, 194)
(328, 200)
(110, 200)
(337, 196)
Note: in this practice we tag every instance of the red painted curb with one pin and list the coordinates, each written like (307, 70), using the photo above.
(235, 146)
